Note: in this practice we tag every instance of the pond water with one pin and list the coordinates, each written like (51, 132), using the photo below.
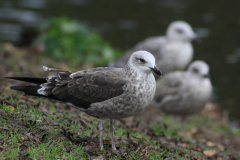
(124, 23)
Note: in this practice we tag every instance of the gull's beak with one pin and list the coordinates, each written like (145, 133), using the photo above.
(206, 76)
(196, 38)
(156, 70)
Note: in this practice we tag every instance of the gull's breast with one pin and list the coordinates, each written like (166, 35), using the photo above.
(137, 96)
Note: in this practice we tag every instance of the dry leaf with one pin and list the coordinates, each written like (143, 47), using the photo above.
(210, 144)
(106, 142)
(10, 108)
(220, 147)
(209, 152)
(192, 132)
(88, 147)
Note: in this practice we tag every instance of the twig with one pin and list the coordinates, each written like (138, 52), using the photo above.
(30, 99)
(137, 150)
(9, 103)
(6, 98)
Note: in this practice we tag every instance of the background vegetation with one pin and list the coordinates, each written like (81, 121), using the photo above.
(67, 40)
(39, 129)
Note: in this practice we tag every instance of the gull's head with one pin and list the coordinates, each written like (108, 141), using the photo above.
(199, 69)
(143, 62)
(181, 31)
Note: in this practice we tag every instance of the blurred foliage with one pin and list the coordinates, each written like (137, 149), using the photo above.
(67, 40)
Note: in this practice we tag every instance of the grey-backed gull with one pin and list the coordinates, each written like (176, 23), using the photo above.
(184, 92)
(104, 92)
(172, 52)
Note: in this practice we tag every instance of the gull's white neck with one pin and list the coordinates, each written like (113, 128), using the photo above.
(130, 69)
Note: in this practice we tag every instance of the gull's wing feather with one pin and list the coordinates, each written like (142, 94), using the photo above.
(29, 79)
(169, 85)
(80, 88)
(172, 90)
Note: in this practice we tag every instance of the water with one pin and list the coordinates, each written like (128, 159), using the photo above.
(124, 23)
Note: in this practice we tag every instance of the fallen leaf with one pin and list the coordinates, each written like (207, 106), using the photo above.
(209, 152)
(106, 142)
(192, 132)
(88, 147)
(9, 108)
(220, 147)
(210, 144)
(104, 130)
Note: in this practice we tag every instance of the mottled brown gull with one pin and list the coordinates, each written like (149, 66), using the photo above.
(184, 92)
(172, 52)
(100, 92)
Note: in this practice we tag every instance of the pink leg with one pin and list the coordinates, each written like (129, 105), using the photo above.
(183, 127)
(100, 127)
(112, 134)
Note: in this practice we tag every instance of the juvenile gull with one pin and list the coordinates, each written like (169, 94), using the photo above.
(184, 92)
(172, 52)
(100, 92)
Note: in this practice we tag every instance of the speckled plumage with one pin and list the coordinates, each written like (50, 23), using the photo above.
(184, 92)
(172, 52)
(133, 91)
(138, 92)
(104, 92)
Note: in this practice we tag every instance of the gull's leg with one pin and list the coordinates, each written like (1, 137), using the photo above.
(100, 127)
(175, 122)
(183, 126)
(112, 134)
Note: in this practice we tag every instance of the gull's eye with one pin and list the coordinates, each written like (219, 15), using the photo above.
(195, 70)
(141, 60)
(179, 31)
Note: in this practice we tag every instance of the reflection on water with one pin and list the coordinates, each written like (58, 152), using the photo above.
(124, 23)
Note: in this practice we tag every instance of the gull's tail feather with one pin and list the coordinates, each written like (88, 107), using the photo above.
(29, 79)
(33, 91)
(44, 86)
(28, 90)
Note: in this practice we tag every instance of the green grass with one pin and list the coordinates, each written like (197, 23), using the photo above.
(65, 130)
(53, 131)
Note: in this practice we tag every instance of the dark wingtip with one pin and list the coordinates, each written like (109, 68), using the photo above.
(18, 88)
(8, 77)
(29, 79)
(14, 78)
